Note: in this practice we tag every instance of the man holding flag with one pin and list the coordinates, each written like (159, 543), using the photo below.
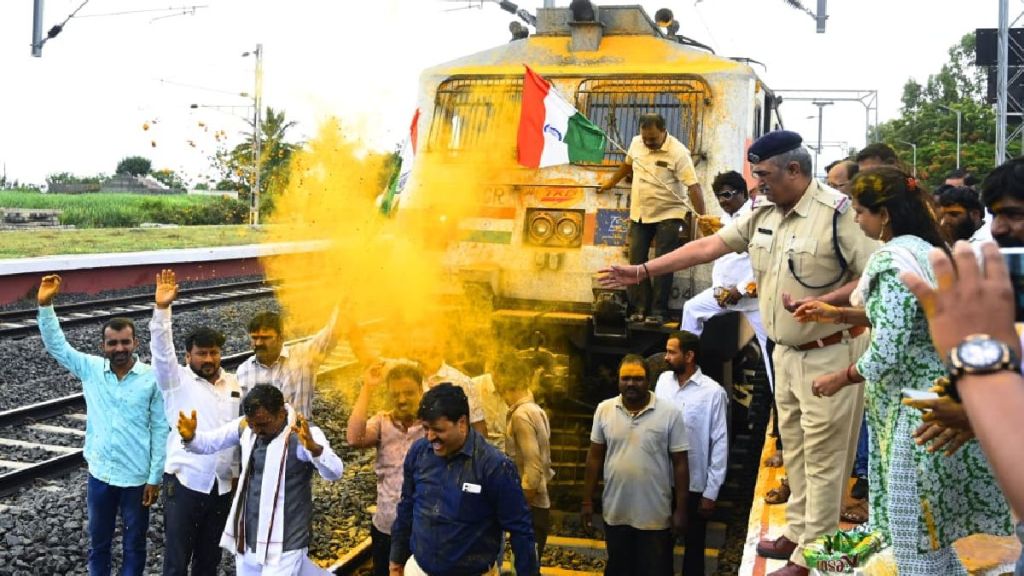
(660, 165)
(553, 132)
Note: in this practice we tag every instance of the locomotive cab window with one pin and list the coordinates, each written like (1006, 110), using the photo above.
(466, 112)
(616, 105)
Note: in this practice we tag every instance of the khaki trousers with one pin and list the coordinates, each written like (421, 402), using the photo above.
(819, 435)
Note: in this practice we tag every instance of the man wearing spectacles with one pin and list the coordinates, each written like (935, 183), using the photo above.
(840, 173)
(732, 280)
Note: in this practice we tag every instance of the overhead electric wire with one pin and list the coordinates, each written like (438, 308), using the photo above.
(127, 12)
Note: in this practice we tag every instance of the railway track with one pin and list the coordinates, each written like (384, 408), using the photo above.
(52, 418)
(44, 440)
(23, 322)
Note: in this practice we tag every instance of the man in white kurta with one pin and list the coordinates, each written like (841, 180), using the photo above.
(269, 527)
(732, 279)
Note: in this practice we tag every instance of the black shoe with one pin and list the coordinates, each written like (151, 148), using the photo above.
(860, 489)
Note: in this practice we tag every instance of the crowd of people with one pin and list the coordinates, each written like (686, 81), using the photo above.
(860, 303)
(846, 279)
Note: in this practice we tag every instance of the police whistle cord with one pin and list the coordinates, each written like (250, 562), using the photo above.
(685, 200)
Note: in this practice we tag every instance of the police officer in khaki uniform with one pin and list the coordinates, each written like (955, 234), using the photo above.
(803, 243)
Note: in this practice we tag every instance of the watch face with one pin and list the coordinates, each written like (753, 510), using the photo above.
(980, 353)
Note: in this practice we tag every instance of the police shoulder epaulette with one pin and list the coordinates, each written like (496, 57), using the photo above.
(833, 199)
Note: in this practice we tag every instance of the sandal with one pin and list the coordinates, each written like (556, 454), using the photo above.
(778, 495)
(856, 513)
(775, 460)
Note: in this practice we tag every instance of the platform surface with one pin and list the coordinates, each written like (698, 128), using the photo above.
(981, 554)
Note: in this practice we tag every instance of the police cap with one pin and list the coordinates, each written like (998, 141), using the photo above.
(773, 144)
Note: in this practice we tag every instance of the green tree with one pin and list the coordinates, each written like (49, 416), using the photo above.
(925, 120)
(235, 164)
(169, 178)
(134, 165)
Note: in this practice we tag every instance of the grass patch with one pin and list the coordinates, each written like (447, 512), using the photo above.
(41, 242)
(113, 210)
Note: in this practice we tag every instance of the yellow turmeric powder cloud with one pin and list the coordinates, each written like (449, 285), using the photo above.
(403, 270)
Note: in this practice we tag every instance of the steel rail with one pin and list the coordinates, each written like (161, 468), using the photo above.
(86, 305)
(111, 309)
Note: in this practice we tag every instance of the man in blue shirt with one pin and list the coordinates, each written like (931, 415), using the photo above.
(459, 494)
(126, 433)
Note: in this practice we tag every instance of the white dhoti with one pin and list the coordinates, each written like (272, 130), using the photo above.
(703, 307)
(293, 563)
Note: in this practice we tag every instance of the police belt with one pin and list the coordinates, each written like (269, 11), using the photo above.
(831, 339)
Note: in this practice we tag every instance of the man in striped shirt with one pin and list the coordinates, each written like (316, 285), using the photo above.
(291, 369)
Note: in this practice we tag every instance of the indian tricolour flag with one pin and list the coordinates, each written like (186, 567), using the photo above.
(552, 131)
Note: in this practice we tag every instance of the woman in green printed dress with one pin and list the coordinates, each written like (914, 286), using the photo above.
(920, 501)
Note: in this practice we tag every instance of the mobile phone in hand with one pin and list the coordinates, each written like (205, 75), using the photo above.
(1014, 258)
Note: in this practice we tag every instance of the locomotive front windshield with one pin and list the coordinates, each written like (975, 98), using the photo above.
(466, 110)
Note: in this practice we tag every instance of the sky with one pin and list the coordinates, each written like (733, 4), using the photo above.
(88, 101)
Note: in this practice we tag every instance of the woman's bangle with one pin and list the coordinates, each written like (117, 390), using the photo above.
(850, 374)
(647, 273)
(842, 315)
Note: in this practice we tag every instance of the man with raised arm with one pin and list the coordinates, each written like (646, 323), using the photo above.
(270, 524)
(803, 243)
(197, 487)
(125, 436)
(291, 369)
(391, 433)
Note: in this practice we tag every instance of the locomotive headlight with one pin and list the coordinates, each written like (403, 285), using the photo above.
(541, 226)
(568, 229)
(554, 228)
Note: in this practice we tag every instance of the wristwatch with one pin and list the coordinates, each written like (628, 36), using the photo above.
(979, 354)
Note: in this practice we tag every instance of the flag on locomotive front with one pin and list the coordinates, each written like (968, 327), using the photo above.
(551, 130)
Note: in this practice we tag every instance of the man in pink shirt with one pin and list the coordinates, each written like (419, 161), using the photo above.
(391, 433)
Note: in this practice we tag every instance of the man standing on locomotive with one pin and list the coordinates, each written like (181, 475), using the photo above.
(660, 165)
(803, 242)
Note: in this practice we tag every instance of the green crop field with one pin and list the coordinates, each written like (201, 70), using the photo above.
(109, 210)
(43, 242)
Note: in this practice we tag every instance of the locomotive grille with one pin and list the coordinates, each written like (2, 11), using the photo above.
(616, 104)
(465, 106)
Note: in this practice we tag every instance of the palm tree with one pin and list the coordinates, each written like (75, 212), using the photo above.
(275, 158)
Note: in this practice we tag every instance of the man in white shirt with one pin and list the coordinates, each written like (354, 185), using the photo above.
(703, 403)
(197, 488)
(732, 279)
(291, 369)
(428, 354)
